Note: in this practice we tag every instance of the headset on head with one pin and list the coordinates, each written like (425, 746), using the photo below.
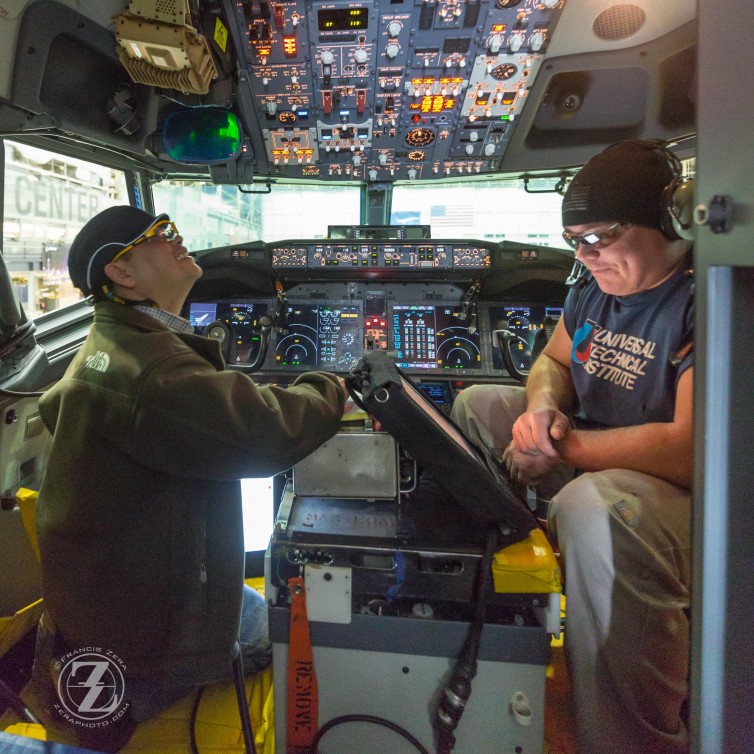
(677, 196)
(677, 205)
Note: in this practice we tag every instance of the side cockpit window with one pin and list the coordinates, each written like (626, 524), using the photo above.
(48, 197)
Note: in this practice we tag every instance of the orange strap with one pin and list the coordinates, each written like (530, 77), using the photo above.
(302, 718)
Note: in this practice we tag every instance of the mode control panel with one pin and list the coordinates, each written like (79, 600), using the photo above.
(423, 255)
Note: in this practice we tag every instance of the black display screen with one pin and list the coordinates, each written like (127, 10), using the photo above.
(342, 19)
(433, 337)
(322, 336)
(234, 325)
(524, 322)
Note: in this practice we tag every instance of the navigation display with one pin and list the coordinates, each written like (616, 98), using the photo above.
(524, 322)
(432, 337)
(234, 325)
(321, 336)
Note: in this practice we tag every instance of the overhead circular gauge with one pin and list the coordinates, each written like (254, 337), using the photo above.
(419, 137)
(507, 3)
(416, 155)
(504, 71)
(287, 116)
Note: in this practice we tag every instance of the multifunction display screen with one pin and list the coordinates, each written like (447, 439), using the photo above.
(433, 337)
(322, 336)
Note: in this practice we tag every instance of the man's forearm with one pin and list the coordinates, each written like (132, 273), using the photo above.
(549, 385)
(657, 449)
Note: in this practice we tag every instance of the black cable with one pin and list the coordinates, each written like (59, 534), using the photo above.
(365, 719)
(192, 723)
(355, 380)
(243, 705)
(15, 702)
(468, 301)
(457, 690)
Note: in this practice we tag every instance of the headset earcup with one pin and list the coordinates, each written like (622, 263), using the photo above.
(681, 209)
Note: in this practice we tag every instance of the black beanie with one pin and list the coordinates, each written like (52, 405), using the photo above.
(626, 183)
(100, 240)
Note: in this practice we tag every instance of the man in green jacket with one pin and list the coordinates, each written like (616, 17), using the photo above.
(139, 516)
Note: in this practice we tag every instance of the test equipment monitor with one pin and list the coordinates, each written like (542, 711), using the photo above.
(440, 393)
(474, 478)
(434, 337)
(327, 337)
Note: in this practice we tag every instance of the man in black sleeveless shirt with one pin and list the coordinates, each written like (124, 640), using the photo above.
(608, 406)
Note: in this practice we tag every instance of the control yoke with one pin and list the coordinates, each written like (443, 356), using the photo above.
(517, 355)
(514, 350)
(221, 332)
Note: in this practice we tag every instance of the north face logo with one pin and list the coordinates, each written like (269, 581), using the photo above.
(100, 362)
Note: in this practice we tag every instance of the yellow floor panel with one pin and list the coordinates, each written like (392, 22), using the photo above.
(217, 728)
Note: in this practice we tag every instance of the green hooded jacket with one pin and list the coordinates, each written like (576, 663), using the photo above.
(139, 515)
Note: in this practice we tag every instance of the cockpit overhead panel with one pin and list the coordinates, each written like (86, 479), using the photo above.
(363, 91)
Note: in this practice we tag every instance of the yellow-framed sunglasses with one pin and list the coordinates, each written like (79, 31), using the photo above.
(165, 230)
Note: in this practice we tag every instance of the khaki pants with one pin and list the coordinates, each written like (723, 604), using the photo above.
(625, 542)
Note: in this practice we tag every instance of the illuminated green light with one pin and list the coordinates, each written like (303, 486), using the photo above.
(202, 135)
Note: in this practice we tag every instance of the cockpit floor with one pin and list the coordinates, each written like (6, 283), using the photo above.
(558, 735)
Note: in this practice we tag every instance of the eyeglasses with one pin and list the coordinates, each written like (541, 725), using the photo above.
(164, 230)
(599, 240)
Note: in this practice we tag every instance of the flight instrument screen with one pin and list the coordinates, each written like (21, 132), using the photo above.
(433, 337)
(320, 336)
